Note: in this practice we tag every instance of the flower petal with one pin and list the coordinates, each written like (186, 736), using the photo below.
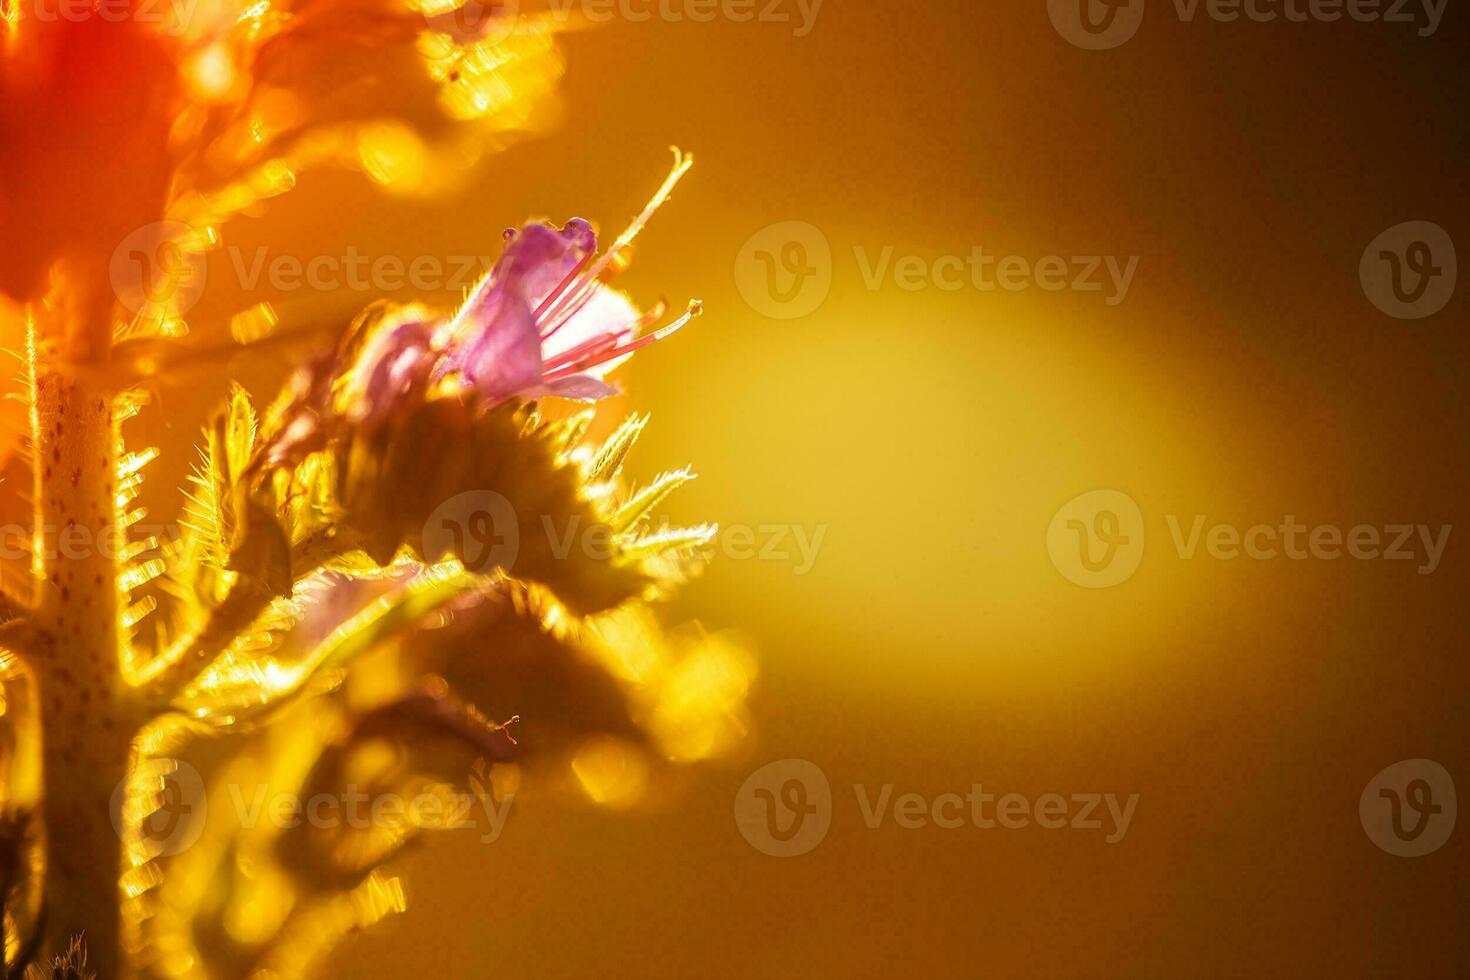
(503, 356)
(580, 387)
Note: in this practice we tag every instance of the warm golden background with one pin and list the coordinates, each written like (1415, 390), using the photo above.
(933, 434)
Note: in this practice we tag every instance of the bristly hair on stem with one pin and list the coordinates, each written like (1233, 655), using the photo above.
(71, 965)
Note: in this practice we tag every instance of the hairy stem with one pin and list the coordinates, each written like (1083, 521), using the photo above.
(87, 734)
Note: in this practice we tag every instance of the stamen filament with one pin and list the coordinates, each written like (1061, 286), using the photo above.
(586, 347)
(556, 294)
(601, 357)
(591, 277)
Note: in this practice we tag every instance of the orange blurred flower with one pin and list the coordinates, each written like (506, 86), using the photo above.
(120, 115)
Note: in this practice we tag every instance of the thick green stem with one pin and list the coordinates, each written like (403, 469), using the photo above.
(88, 735)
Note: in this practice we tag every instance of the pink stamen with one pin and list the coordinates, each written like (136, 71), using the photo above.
(558, 292)
(591, 360)
(601, 342)
(587, 347)
(574, 299)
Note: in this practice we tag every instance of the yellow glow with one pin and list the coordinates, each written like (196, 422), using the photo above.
(611, 771)
(131, 463)
(506, 76)
(701, 709)
(253, 324)
(211, 73)
(629, 643)
(138, 880)
(392, 154)
(264, 903)
(255, 12)
(307, 936)
(370, 761)
(139, 574)
(135, 613)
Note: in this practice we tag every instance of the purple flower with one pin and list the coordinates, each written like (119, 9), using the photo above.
(542, 323)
